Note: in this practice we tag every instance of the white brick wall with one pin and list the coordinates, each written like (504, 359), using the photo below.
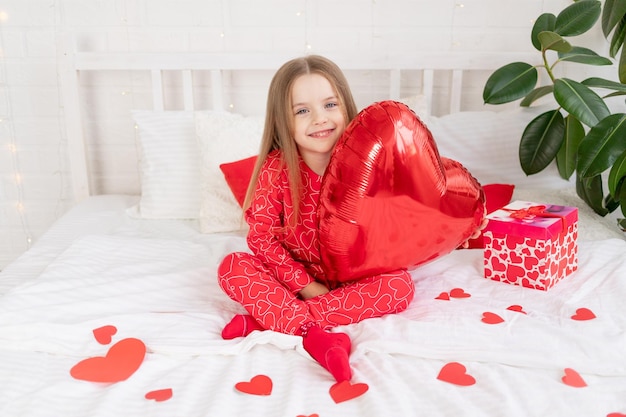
(32, 137)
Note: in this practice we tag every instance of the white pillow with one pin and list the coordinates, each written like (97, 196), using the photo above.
(487, 144)
(170, 165)
(223, 137)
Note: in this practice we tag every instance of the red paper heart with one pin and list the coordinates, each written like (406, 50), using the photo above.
(160, 395)
(389, 200)
(104, 334)
(258, 385)
(491, 318)
(455, 373)
(120, 362)
(310, 415)
(459, 293)
(517, 308)
(616, 415)
(573, 379)
(583, 314)
(345, 390)
(443, 296)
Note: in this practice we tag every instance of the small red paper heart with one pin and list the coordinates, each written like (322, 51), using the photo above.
(160, 395)
(458, 293)
(258, 385)
(345, 390)
(583, 314)
(455, 373)
(104, 334)
(573, 379)
(310, 415)
(517, 308)
(443, 296)
(491, 318)
(120, 362)
(616, 415)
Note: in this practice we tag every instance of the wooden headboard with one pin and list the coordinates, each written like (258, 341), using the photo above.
(396, 71)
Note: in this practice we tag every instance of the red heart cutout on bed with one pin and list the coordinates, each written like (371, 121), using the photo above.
(389, 200)
(583, 314)
(258, 385)
(455, 373)
(160, 395)
(491, 318)
(120, 362)
(443, 296)
(345, 391)
(104, 334)
(573, 379)
(459, 293)
(517, 308)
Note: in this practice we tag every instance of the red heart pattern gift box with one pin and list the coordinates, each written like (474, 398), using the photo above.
(530, 244)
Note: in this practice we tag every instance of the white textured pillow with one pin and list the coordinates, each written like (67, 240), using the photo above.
(170, 165)
(487, 144)
(223, 137)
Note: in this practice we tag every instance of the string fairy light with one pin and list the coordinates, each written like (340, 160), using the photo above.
(7, 136)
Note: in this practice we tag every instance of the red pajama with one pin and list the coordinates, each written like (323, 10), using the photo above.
(283, 262)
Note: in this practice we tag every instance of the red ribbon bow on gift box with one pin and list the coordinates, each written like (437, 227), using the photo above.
(535, 211)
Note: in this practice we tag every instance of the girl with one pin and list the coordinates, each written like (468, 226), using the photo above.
(282, 284)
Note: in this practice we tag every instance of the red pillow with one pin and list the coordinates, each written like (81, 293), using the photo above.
(496, 197)
(238, 175)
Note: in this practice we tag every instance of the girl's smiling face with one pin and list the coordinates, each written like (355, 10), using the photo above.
(318, 119)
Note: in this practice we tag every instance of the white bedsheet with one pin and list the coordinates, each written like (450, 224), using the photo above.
(155, 281)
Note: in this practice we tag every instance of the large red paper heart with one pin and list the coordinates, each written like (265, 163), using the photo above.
(120, 362)
(345, 390)
(389, 200)
(456, 373)
(258, 385)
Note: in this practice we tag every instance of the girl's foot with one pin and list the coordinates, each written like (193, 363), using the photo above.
(240, 326)
(331, 350)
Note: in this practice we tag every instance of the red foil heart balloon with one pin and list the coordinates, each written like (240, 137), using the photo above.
(389, 200)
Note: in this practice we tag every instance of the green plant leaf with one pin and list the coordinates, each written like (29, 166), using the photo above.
(617, 40)
(509, 83)
(580, 100)
(545, 22)
(590, 191)
(584, 56)
(578, 18)
(602, 146)
(617, 176)
(604, 83)
(553, 41)
(541, 141)
(621, 66)
(614, 11)
(536, 94)
(611, 203)
(566, 157)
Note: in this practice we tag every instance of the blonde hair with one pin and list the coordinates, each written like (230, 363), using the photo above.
(277, 133)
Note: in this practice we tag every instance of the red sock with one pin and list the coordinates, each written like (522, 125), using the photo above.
(331, 350)
(240, 326)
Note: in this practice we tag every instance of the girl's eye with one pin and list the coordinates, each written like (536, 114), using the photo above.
(332, 104)
(301, 111)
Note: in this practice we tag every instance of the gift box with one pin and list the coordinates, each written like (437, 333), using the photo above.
(532, 245)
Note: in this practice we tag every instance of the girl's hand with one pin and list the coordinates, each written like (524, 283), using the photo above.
(476, 233)
(313, 290)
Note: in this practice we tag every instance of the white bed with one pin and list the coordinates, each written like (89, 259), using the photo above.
(105, 263)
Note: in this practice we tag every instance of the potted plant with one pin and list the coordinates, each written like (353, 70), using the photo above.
(581, 134)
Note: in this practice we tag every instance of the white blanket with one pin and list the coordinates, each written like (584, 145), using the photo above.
(164, 292)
